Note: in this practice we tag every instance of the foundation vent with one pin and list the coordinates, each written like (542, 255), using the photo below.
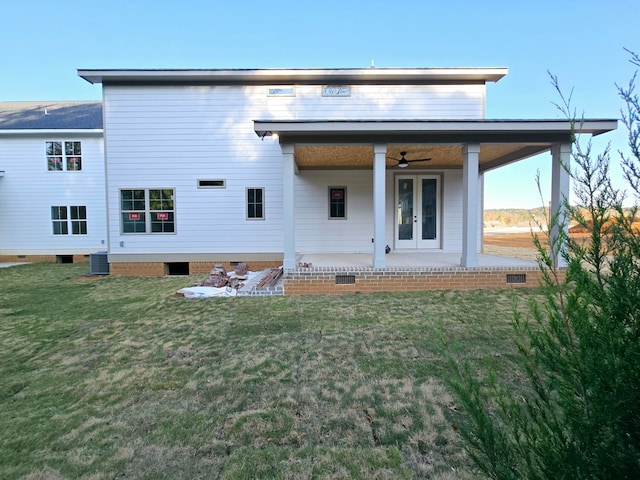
(516, 278)
(345, 279)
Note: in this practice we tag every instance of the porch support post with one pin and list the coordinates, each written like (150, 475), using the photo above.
(288, 210)
(470, 182)
(560, 189)
(379, 171)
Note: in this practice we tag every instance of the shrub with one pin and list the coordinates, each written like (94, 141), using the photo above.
(578, 416)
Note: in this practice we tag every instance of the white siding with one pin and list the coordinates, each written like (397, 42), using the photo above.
(171, 136)
(28, 191)
(315, 232)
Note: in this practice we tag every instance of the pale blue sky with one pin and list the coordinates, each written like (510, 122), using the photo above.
(44, 42)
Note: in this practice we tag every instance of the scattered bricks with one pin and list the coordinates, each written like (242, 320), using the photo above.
(217, 278)
(240, 269)
(270, 279)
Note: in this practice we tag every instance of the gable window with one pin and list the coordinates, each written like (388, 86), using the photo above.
(336, 91)
(255, 203)
(75, 216)
(337, 202)
(147, 210)
(63, 156)
(282, 91)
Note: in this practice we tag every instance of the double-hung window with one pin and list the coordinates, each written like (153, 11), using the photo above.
(63, 156)
(75, 216)
(147, 210)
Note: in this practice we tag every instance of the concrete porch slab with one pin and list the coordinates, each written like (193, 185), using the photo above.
(407, 261)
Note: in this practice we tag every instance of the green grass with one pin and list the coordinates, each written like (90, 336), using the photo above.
(106, 378)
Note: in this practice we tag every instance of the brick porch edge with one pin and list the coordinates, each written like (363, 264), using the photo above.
(335, 281)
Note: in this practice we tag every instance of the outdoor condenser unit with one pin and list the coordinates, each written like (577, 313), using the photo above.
(98, 264)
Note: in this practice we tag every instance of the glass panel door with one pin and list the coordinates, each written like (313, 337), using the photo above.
(405, 216)
(417, 216)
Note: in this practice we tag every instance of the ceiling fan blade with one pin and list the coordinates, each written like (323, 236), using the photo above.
(419, 160)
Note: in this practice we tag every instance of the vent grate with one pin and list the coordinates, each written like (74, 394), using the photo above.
(516, 278)
(345, 279)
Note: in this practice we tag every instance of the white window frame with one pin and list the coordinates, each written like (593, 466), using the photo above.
(248, 205)
(336, 90)
(147, 211)
(330, 195)
(281, 91)
(221, 181)
(72, 221)
(64, 157)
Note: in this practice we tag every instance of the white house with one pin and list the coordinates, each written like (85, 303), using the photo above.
(52, 183)
(272, 166)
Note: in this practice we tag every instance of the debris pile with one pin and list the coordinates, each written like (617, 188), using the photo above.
(270, 279)
(221, 283)
(219, 278)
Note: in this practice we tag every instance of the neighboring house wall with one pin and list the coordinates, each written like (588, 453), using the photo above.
(172, 136)
(28, 190)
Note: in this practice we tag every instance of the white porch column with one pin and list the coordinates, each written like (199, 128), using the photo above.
(379, 171)
(560, 190)
(288, 210)
(470, 182)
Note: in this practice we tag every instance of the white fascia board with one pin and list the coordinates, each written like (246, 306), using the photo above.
(319, 76)
(594, 127)
(98, 132)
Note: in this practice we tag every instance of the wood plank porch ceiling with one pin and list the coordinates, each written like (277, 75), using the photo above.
(442, 156)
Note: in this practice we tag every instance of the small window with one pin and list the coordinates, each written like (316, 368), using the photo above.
(282, 91)
(336, 91)
(255, 203)
(60, 159)
(211, 184)
(337, 202)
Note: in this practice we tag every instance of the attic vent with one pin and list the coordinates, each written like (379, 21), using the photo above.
(98, 264)
(345, 279)
(516, 278)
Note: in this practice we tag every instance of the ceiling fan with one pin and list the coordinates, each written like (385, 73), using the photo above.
(404, 163)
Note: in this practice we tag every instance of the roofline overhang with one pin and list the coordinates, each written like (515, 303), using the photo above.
(297, 76)
(52, 131)
(430, 131)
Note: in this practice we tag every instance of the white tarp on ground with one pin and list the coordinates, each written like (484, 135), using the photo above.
(205, 292)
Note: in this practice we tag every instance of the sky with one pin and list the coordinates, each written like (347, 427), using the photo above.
(582, 43)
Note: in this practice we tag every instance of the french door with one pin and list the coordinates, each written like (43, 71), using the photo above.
(417, 223)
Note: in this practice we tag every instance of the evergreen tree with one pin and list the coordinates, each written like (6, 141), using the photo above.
(579, 417)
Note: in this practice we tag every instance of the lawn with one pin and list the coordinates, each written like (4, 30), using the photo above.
(105, 378)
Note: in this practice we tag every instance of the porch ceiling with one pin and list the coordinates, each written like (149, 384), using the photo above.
(324, 144)
(442, 156)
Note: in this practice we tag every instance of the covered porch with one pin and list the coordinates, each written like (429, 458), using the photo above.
(469, 147)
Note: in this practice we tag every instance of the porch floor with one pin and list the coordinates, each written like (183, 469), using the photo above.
(408, 260)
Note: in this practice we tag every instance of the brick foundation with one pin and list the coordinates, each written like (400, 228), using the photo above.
(43, 258)
(323, 281)
(159, 269)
